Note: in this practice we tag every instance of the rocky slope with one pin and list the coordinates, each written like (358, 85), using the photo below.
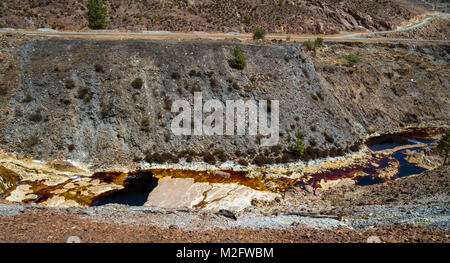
(289, 16)
(74, 98)
(436, 29)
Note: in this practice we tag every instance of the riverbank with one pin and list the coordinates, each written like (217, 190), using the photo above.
(410, 209)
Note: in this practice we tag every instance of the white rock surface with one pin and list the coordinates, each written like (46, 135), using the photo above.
(186, 193)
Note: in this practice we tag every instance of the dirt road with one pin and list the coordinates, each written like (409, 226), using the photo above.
(160, 35)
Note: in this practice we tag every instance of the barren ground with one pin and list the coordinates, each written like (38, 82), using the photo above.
(393, 202)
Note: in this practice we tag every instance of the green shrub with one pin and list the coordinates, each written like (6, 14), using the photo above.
(313, 45)
(310, 45)
(299, 144)
(318, 42)
(259, 33)
(145, 123)
(97, 14)
(352, 58)
(444, 145)
(280, 2)
(238, 62)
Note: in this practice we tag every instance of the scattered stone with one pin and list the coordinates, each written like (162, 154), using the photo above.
(227, 213)
(222, 174)
(308, 189)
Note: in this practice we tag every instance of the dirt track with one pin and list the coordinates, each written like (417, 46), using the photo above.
(367, 37)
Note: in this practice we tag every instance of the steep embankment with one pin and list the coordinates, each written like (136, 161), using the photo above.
(74, 98)
(293, 16)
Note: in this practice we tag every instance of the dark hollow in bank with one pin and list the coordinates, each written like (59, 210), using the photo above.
(137, 187)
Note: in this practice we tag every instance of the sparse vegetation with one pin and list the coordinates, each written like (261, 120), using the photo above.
(262, 160)
(161, 158)
(137, 83)
(99, 68)
(238, 62)
(106, 107)
(310, 45)
(242, 162)
(168, 103)
(259, 33)
(36, 117)
(209, 158)
(33, 141)
(3, 90)
(145, 124)
(328, 138)
(318, 42)
(69, 84)
(27, 97)
(97, 14)
(444, 146)
(194, 73)
(84, 94)
(71, 147)
(313, 45)
(299, 144)
(175, 75)
(352, 58)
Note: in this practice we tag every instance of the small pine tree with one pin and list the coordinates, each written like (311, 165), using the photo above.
(352, 58)
(97, 14)
(444, 145)
(299, 144)
(238, 62)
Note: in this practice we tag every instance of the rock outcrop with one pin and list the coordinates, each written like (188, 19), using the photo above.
(186, 193)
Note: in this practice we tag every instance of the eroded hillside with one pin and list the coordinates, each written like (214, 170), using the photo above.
(75, 98)
(289, 16)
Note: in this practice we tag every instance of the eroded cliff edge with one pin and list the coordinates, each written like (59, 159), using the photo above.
(74, 98)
